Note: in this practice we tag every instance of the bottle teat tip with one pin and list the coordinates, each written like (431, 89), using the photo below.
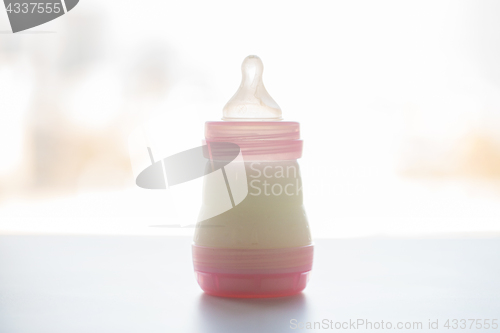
(252, 102)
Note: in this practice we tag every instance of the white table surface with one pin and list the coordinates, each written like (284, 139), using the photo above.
(146, 284)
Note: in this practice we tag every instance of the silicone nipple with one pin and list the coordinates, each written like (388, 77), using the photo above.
(251, 102)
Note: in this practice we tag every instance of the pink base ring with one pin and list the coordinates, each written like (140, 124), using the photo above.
(251, 273)
(252, 285)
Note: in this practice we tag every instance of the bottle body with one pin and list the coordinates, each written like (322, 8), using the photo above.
(262, 246)
(253, 237)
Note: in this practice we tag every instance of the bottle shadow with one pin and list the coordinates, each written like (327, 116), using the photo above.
(220, 315)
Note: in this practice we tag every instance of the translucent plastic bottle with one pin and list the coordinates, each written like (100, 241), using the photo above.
(262, 246)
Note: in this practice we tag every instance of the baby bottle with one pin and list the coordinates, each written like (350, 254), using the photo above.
(261, 245)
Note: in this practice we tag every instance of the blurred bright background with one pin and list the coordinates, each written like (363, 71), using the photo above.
(399, 105)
